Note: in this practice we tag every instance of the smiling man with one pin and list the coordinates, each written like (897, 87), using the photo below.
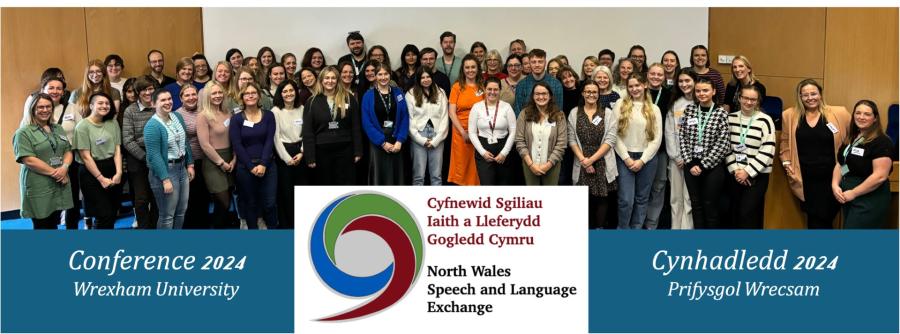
(357, 56)
(157, 63)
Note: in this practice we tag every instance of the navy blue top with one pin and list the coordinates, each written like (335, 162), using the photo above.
(175, 89)
(253, 143)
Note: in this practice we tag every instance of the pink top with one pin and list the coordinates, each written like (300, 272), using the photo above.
(213, 135)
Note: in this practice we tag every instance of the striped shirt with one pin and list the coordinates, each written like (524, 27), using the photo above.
(759, 141)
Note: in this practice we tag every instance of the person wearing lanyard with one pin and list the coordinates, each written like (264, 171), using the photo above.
(428, 125)
(386, 122)
(450, 64)
(657, 211)
(807, 158)
(752, 137)
(98, 140)
(357, 56)
(44, 151)
(490, 126)
(331, 134)
(639, 136)
(860, 175)
(704, 145)
(541, 137)
(170, 161)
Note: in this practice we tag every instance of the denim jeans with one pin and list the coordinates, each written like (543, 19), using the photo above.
(634, 192)
(171, 206)
(430, 159)
(658, 190)
(256, 196)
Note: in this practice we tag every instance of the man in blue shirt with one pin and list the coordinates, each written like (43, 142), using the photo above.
(538, 59)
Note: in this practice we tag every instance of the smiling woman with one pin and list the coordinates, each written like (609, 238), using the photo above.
(98, 143)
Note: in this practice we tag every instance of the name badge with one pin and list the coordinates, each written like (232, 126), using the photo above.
(63, 137)
(298, 122)
(740, 157)
(332, 125)
(698, 149)
(857, 151)
(844, 170)
(346, 106)
(670, 82)
(479, 93)
(692, 121)
(236, 110)
(740, 148)
(399, 98)
(69, 117)
(832, 128)
(100, 141)
(597, 120)
(227, 122)
(56, 161)
(388, 124)
(551, 124)
(248, 124)
(492, 140)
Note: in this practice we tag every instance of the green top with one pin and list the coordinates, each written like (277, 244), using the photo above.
(40, 195)
(101, 139)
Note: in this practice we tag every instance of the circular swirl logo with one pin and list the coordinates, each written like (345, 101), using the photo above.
(388, 220)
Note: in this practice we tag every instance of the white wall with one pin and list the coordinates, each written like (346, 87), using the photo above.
(575, 32)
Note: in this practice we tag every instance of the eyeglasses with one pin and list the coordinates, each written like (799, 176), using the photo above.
(590, 93)
(542, 94)
(514, 65)
(749, 99)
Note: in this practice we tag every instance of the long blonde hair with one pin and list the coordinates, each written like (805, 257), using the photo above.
(341, 95)
(207, 109)
(647, 110)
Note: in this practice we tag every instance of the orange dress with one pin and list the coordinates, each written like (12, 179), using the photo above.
(462, 154)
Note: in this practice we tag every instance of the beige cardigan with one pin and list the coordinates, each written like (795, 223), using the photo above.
(558, 139)
(788, 151)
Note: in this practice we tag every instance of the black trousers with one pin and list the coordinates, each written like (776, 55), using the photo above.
(102, 204)
(492, 173)
(820, 205)
(288, 177)
(748, 203)
(145, 210)
(705, 190)
(73, 214)
(48, 223)
(197, 214)
(598, 209)
(334, 165)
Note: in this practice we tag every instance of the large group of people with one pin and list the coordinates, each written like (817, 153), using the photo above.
(656, 144)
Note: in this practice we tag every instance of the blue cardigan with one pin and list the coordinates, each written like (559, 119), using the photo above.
(370, 122)
(156, 141)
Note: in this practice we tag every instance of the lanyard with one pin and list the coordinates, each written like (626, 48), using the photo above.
(656, 101)
(54, 143)
(386, 103)
(487, 112)
(702, 125)
(746, 129)
(847, 149)
(331, 109)
(444, 65)
(356, 68)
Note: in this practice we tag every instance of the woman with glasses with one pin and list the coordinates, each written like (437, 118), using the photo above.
(493, 66)
(591, 136)
(513, 75)
(541, 137)
(252, 135)
(808, 159)
(750, 161)
(43, 149)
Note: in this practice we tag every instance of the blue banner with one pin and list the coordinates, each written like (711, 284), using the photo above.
(148, 281)
(744, 281)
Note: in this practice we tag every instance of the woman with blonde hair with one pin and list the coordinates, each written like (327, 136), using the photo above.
(741, 76)
(224, 76)
(332, 141)
(587, 67)
(493, 65)
(639, 136)
(807, 162)
(218, 165)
